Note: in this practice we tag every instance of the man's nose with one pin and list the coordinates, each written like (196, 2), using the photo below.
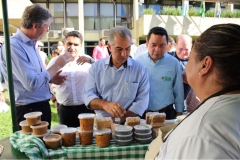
(123, 53)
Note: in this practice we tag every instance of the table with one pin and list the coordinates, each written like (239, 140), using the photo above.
(34, 148)
(9, 151)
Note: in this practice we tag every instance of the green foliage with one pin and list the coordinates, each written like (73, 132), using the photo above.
(149, 11)
(193, 12)
(6, 120)
(230, 14)
(209, 13)
(171, 11)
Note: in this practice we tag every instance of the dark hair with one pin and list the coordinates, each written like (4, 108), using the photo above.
(74, 34)
(222, 43)
(158, 31)
(35, 14)
(121, 31)
(101, 39)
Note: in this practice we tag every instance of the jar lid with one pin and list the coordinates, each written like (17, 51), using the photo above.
(52, 137)
(103, 131)
(143, 139)
(80, 131)
(41, 125)
(41, 135)
(128, 140)
(123, 128)
(32, 114)
(23, 123)
(68, 130)
(128, 135)
(142, 127)
(86, 115)
(57, 128)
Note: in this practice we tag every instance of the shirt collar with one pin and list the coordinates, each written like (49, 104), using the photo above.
(109, 62)
(25, 38)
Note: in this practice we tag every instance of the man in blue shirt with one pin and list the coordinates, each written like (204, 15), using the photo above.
(165, 76)
(117, 86)
(30, 79)
(183, 49)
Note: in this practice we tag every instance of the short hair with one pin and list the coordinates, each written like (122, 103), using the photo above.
(171, 40)
(158, 31)
(222, 43)
(74, 34)
(119, 30)
(101, 39)
(35, 14)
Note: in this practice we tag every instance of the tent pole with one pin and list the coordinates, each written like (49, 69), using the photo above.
(9, 66)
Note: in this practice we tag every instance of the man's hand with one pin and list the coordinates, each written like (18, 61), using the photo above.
(64, 59)
(56, 104)
(59, 63)
(58, 79)
(114, 108)
(83, 59)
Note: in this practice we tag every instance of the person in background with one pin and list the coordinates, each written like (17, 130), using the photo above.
(212, 130)
(165, 76)
(70, 98)
(183, 49)
(117, 86)
(142, 48)
(171, 45)
(133, 48)
(30, 79)
(43, 55)
(100, 51)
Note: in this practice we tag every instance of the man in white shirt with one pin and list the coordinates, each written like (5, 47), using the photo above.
(69, 93)
(140, 50)
(43, 55)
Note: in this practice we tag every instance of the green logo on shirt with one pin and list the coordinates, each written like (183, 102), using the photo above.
(166, 79)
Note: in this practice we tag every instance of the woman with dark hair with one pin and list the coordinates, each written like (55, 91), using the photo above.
(212, 130)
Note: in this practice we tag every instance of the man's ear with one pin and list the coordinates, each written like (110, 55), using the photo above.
(109, 47)
(146, 41)
(34, 26)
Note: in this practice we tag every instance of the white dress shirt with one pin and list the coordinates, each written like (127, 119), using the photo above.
(140, 50)
(70, 92)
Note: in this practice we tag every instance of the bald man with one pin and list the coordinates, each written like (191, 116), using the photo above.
(183, 49)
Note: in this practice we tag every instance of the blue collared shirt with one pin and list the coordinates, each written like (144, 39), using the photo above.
(165, 78)
(30, 79)
(127, 85)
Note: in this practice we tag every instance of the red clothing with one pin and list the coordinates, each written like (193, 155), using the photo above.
(100, 52)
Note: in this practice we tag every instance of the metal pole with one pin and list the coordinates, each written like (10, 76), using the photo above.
(48, 43)
(9, 66)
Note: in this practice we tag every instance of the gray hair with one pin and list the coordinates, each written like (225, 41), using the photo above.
(35, 14)
(121, 31)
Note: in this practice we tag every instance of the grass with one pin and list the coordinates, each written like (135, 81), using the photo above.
(6, 120)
